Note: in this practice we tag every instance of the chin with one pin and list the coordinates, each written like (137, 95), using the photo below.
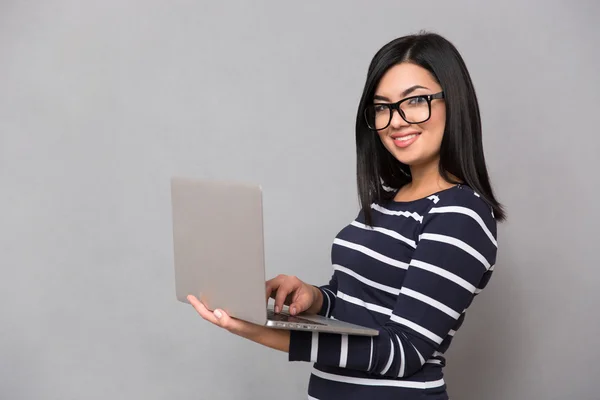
(405, 156)
(412, 158)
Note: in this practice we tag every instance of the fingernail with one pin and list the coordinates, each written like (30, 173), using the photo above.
(218, 314)
(276, 309)
(293, 310)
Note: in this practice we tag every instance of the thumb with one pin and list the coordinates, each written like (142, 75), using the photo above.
(300, 303)
(223, 320)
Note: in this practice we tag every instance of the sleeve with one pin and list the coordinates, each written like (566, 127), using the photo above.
(454, 257)
(328, 291)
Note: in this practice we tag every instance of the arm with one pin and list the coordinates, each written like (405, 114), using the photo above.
(324, 299)
(273, 338)
(280, 339)
(455, 252)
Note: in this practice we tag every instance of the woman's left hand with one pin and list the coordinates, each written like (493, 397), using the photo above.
(221, 319)
(273, 338)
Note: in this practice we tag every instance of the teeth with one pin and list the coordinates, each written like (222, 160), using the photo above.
(405, 138)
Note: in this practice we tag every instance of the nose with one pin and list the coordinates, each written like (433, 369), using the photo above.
(397, 120)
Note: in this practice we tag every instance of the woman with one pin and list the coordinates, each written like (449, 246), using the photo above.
(422, 246)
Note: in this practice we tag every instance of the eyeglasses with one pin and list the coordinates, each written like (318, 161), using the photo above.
(414, 110)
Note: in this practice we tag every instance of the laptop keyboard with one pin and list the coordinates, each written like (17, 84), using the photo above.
(286, 318)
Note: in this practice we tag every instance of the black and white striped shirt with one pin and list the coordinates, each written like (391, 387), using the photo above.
(412, 275)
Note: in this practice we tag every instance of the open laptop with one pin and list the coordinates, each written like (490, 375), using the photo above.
(219, 255)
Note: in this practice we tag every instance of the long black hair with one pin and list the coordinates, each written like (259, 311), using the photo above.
(461, 152)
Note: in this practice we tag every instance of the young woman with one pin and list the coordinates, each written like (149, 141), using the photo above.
(422, 246)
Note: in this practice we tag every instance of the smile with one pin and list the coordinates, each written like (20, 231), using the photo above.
(403, 141)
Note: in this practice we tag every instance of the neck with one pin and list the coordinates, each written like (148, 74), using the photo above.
(426, 180)
(426, 176)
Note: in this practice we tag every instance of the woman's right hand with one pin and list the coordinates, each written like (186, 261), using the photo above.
(291, 291)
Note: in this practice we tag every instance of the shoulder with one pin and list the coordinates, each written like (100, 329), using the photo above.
(463, 203)
(462, 195)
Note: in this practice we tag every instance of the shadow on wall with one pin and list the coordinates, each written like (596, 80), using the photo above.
(482, 359)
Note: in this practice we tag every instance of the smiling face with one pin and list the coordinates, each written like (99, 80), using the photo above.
(418, 144)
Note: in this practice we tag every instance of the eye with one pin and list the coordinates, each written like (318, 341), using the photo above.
(379, 108)
(418, 101)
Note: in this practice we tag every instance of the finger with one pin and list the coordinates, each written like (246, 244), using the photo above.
(203, 311)
(225, 321)
(300, 302)
(273, 284)
(287, 288)
(218, 317)
(268, 290)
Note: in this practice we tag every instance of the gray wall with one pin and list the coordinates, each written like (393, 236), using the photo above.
(100, 103)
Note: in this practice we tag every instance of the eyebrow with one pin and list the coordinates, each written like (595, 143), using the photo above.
(403, 94)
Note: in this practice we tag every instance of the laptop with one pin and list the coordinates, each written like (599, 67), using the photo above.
(218, 248)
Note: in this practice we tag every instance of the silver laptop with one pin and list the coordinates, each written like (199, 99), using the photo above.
(219, 255)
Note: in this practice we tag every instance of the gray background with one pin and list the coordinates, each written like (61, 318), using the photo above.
(101, 102)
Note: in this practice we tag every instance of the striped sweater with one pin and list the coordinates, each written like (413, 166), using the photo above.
(411, 275)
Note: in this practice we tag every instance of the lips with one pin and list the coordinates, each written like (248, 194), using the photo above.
(405, 139)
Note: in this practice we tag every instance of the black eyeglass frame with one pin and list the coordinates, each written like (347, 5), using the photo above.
(396, 106)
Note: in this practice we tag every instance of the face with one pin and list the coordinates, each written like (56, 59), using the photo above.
(418, 144)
